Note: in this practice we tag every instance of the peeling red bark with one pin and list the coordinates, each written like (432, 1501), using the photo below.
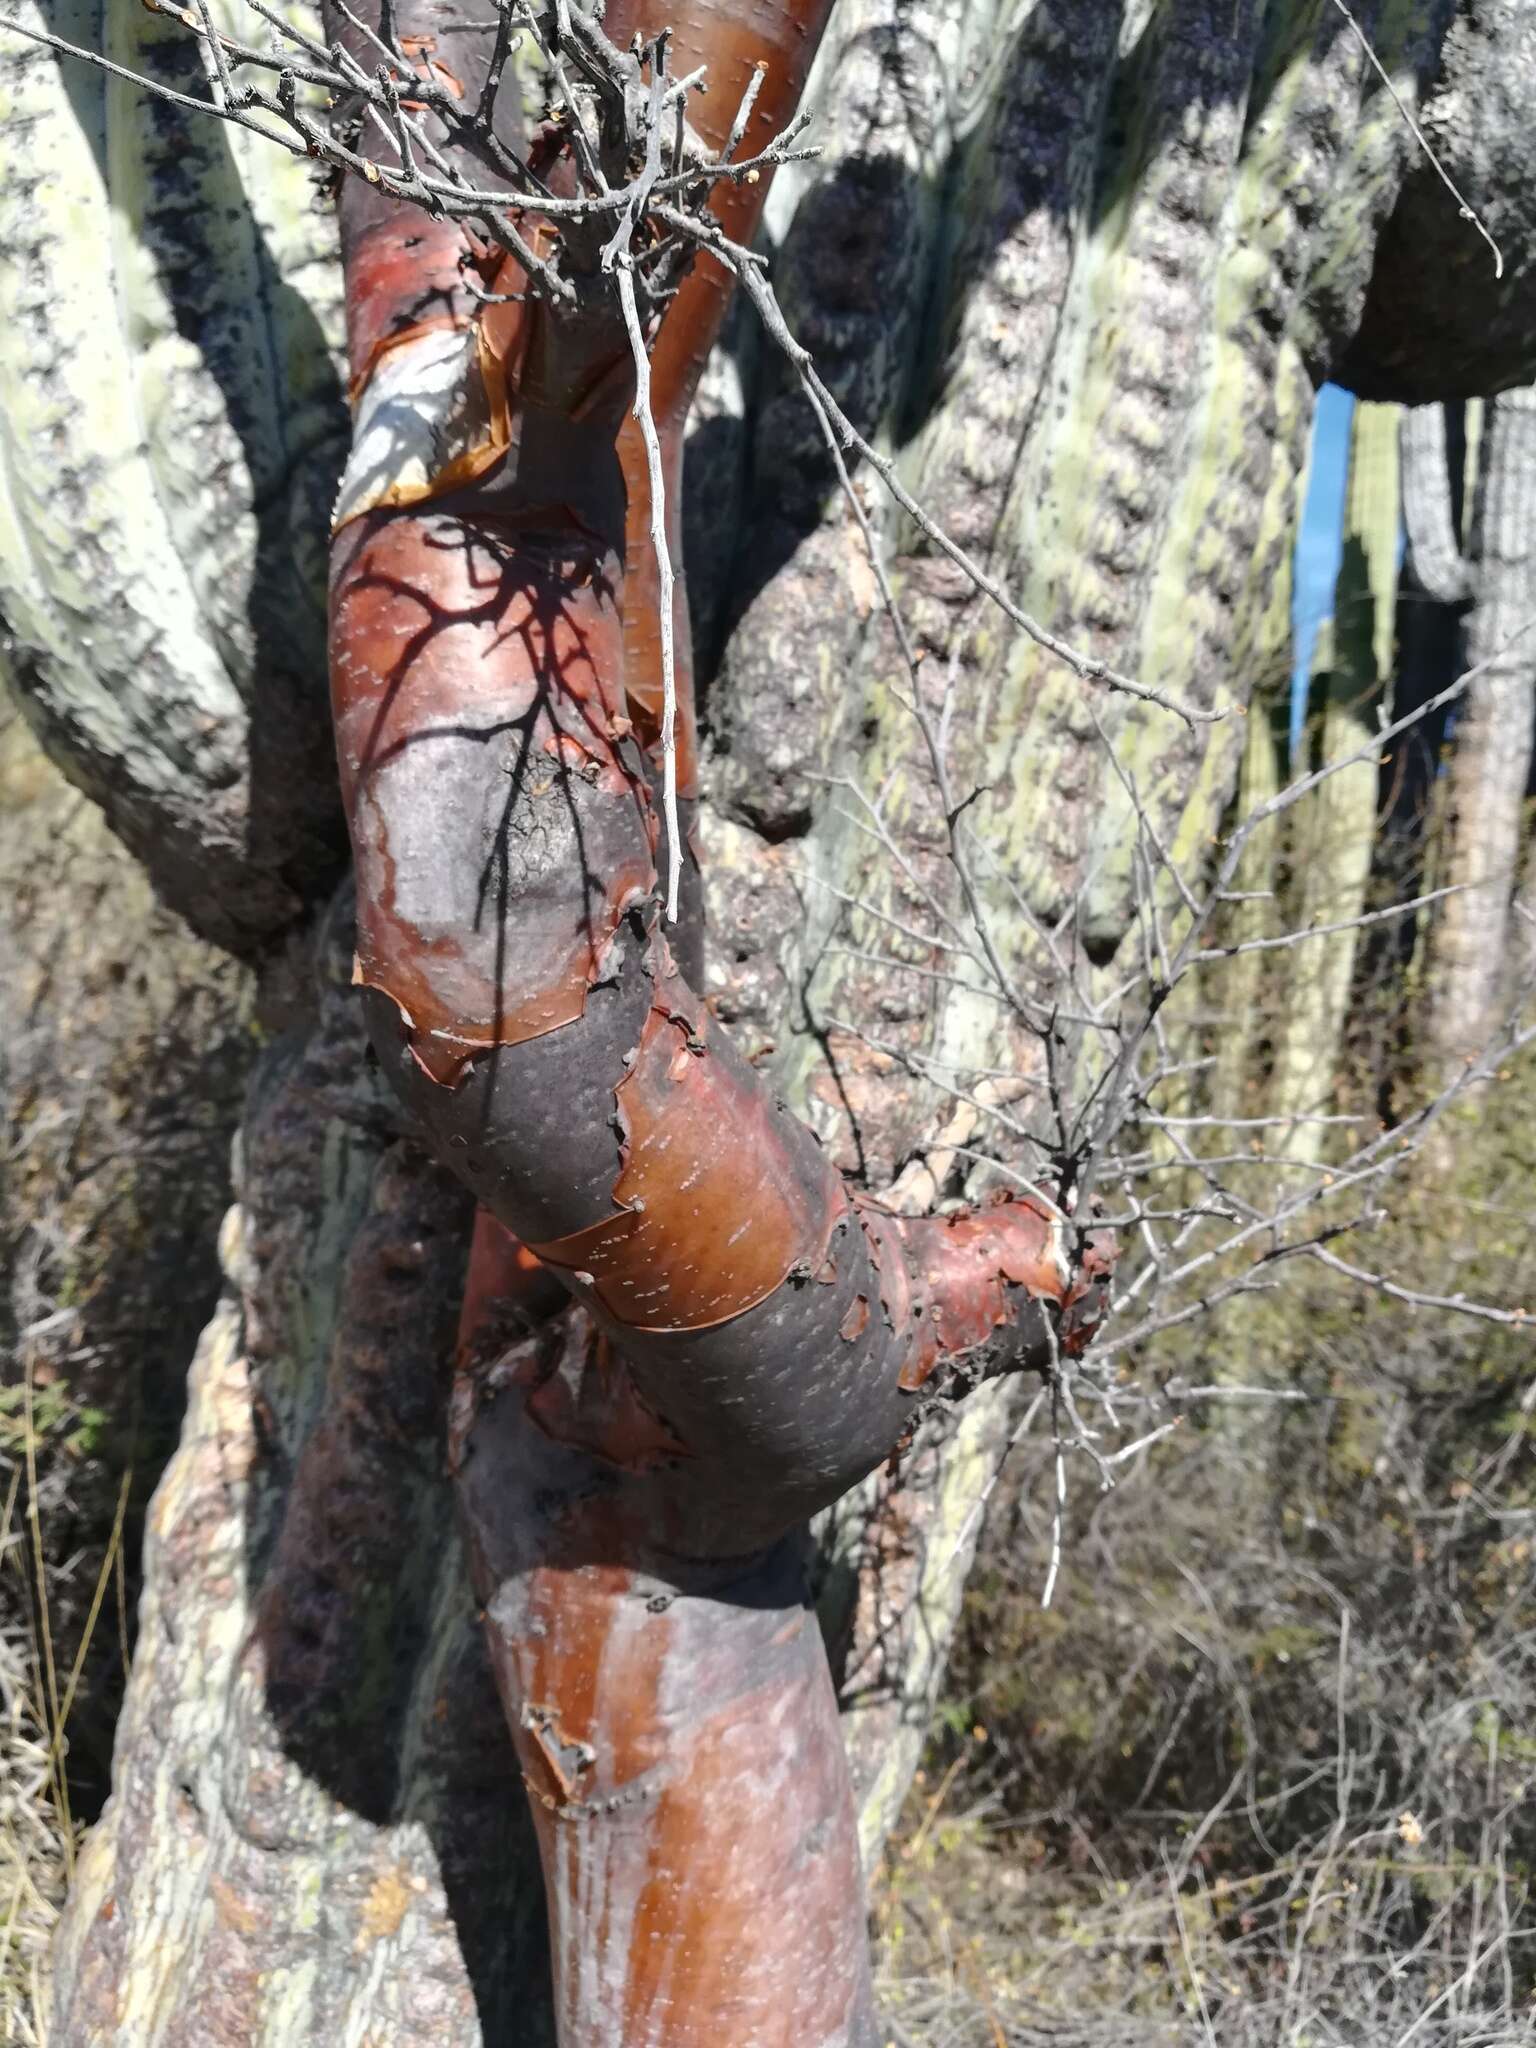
(677, 1731)
(476, 677)
(781, 40)
(748, 1338)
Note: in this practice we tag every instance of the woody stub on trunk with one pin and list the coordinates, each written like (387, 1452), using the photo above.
(735, 1338)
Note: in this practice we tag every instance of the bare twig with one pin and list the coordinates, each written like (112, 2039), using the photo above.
(1463, 206)
(642, 412)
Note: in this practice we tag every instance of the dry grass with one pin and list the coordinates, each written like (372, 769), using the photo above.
(37, 1837)
(1360, 1939)
(32, 1851)
(1266, 1774)
(40, 1832)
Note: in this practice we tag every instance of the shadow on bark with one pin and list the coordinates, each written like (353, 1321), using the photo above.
(123, 1048)
(881, 256)
(373, 1663)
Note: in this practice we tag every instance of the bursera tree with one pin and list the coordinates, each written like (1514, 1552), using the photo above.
(1067, 277)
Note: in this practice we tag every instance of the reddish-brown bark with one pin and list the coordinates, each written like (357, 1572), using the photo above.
(749, 1339)
(673, 1716)
(782, 40)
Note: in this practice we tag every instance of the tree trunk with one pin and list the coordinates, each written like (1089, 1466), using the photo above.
(1432, 595)
(1484, 797)
(1333, 831)
(1079, 274)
